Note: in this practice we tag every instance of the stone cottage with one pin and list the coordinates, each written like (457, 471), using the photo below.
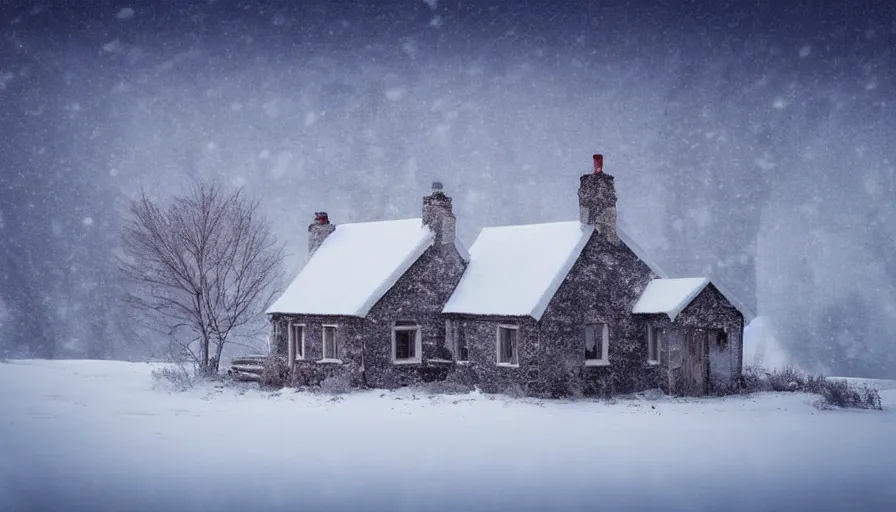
(554, 309)
(368, 303)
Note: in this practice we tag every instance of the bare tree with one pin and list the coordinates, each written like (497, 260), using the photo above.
(202, 268)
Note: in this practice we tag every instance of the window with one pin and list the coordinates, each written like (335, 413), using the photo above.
(456, 341)
(460, 339)
(597, 344)
(406, 342)
(331, 349)
(722, 340)
(654, 341)
(296, 341)
(508, 348)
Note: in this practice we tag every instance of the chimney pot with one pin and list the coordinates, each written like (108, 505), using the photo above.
(321, 218)
(437, 186)
(598, 164)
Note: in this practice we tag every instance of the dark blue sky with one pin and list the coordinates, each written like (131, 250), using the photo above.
(750, 140)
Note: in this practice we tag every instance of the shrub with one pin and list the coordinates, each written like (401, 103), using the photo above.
(173, 377)
(336, 385)
(840, 393)
(754, 380)
(787, 378)
(274, 373)
(834, 393)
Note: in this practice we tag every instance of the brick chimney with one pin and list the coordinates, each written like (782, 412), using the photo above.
(438, 215)
(597, 200)
(318, 231)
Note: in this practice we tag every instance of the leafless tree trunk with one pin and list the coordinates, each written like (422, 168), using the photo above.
(202, 267)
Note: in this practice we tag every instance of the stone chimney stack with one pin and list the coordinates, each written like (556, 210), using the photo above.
(438, 215)
(597, 200)
(318, 231)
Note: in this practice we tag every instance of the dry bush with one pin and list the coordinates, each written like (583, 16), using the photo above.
(834, 392)
(755, 380)
(274, 373)
(787, 378)
(174, 377)
(840, 393)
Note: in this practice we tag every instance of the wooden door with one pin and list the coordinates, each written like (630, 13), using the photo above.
(693, 363)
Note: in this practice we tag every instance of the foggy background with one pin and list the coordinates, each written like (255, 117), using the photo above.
(750, 141)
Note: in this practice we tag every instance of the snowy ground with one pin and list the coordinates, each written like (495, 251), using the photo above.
(96, 435)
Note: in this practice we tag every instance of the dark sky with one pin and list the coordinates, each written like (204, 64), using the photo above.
(750, 140)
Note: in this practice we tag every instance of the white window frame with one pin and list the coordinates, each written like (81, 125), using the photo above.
(651, 336)
(323, 344)
(418, 343)
(605, 345)
(516, 346)
(293, 354)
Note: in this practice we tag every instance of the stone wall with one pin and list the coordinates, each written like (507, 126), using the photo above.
(710, 310)
(602, 287)
(482, 369)
(310, 371)
(418, 296)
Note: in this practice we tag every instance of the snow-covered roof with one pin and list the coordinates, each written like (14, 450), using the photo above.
(354, 267)
(671, 296)
(515, 270)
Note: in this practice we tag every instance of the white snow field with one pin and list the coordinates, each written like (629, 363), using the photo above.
(93, 435)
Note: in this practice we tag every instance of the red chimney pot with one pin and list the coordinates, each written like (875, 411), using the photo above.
(598, 163)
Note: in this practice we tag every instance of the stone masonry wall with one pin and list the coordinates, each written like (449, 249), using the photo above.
(482, 369)
(709, 310)
(418, 296)
(602, 287)
(310, 371)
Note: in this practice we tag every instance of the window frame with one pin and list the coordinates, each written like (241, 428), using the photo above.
(291, 347)
(272, 339)
(453, 334)
(418, 343)
(323, 344)
(604, 359)
(515, 348)
(651, 338)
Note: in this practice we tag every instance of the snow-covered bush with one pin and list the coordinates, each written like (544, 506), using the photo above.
(787, 378)
(754, 380)
(274, 373)
(336, 385)
(840, 393)
(834, 392)
(173, 377)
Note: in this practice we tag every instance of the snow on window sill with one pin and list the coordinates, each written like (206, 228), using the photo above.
(405, 361)
(441, 361)
(652, 362)
(329, 361)
(597, 362)
(465, 363)
(509, 365)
